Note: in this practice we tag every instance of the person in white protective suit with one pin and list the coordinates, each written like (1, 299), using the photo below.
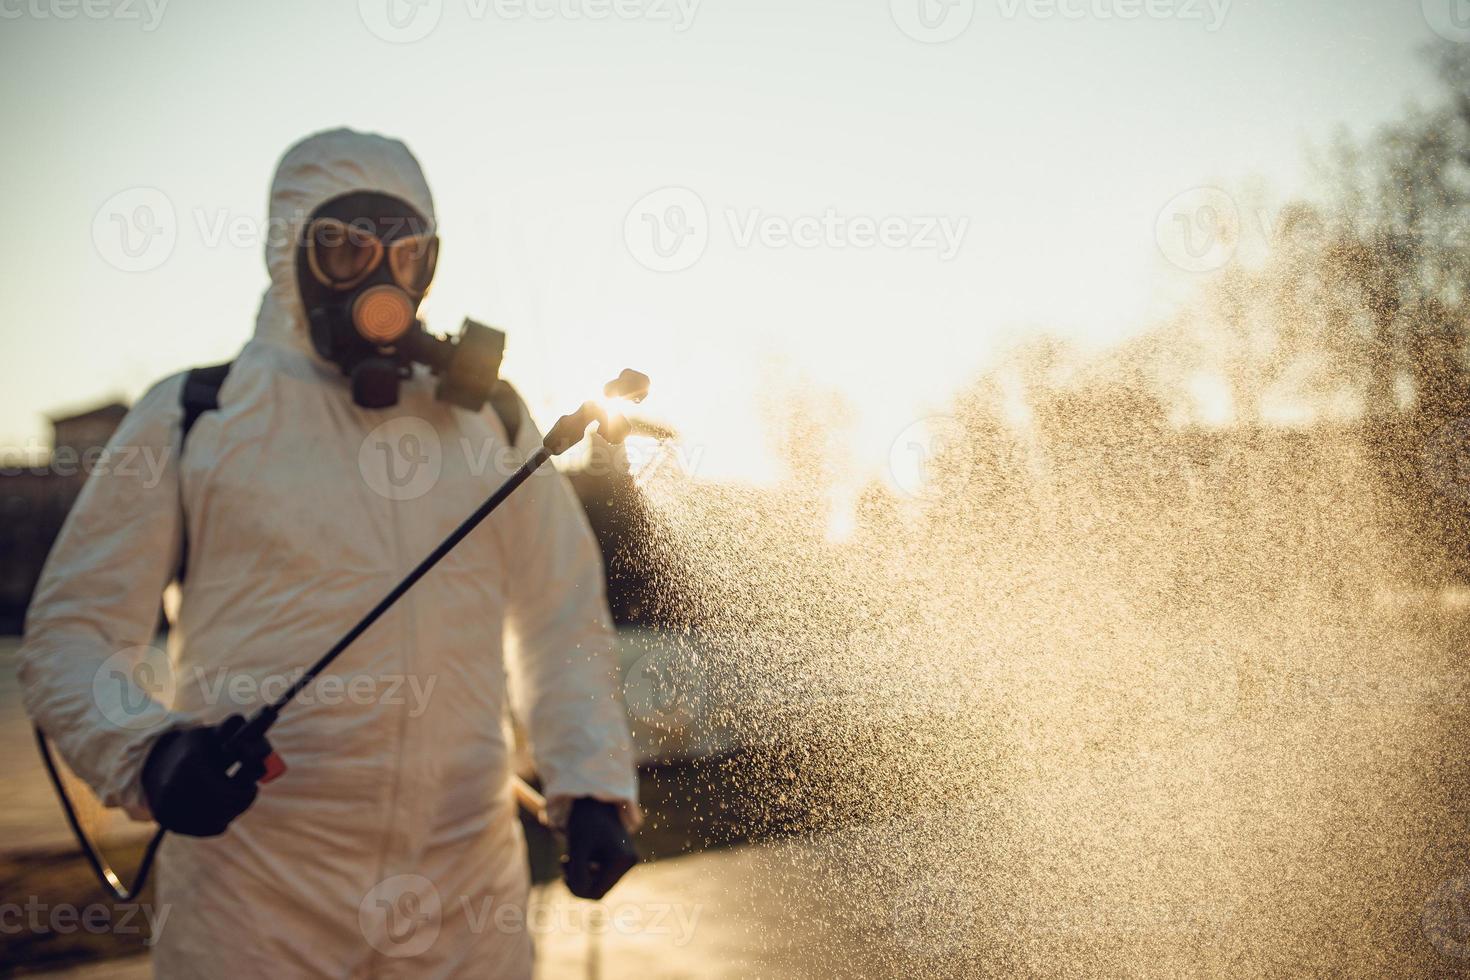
(390, 846)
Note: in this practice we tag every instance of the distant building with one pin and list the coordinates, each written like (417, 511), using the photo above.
(77, 434)
(35, 497)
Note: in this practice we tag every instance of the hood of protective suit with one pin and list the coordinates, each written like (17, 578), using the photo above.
(315, 170)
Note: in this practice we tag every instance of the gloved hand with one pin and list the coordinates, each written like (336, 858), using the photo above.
(598, 849)
(184, 777)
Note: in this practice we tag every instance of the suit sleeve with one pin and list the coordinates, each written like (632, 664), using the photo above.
(564, 678)
(95, 611)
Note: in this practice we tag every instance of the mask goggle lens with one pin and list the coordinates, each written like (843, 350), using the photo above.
(341, 255)
(411, 261)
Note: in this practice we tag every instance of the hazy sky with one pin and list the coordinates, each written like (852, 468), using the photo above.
(867, 194)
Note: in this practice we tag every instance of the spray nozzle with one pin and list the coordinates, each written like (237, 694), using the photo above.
(612, 425)
(630, 385)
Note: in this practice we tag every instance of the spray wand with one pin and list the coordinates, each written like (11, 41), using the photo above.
(566, 433)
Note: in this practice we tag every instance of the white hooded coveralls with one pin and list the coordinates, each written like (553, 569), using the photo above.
(390, 846)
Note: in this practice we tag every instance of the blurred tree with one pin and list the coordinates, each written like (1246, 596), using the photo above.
(1358, 314)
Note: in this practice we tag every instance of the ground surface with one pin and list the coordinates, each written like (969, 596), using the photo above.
(1311, 821)
(672, 919)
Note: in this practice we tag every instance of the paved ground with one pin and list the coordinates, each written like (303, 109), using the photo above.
(1316, 828)
(692, 916)
(688, 917)
(682, 918)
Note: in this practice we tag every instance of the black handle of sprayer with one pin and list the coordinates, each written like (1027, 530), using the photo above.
(255, 727)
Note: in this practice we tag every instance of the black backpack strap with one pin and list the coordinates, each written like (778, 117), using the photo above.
(200, 394)
(507, 406)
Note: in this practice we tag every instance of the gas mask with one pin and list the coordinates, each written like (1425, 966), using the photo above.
(363, 267)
